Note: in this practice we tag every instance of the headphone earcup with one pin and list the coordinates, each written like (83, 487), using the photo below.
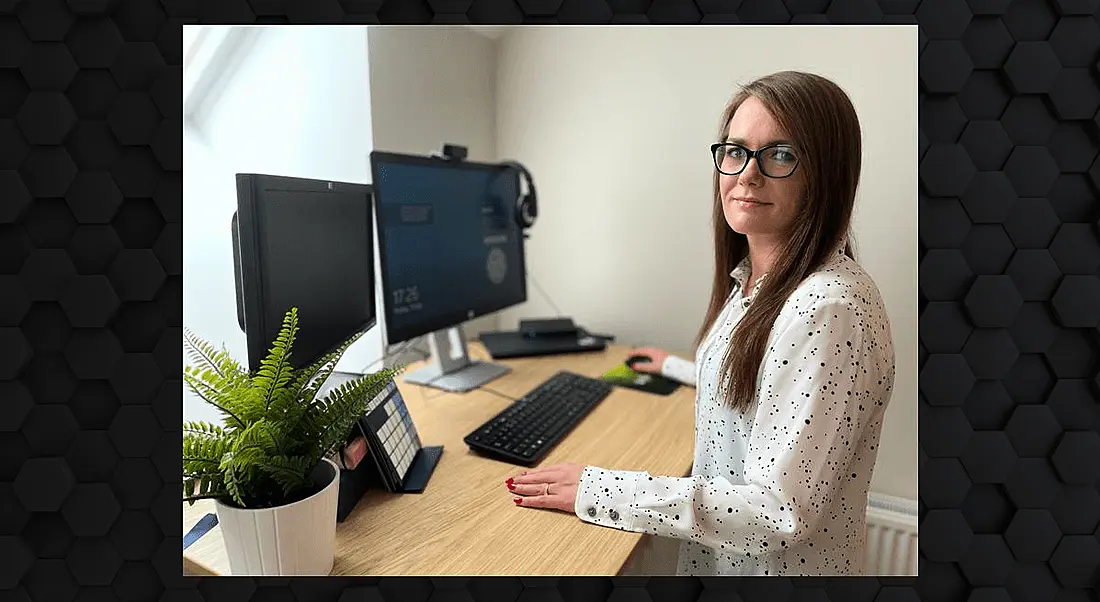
(526, 212)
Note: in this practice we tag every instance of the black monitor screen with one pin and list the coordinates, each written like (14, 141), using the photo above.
(305, 244)
(449, 246)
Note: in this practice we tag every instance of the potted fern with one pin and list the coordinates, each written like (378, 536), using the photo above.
(267, 466)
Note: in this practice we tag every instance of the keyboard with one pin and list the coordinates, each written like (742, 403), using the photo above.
(525, 431)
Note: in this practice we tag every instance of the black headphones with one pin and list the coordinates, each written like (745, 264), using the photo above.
(527, 206)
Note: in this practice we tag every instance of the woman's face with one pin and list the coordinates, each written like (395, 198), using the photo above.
(755, 205)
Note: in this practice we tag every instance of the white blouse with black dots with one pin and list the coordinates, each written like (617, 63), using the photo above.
(780, 489)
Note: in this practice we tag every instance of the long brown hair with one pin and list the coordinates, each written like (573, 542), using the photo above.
(819, 117)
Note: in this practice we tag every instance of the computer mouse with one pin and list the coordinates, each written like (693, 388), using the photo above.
(637, 359)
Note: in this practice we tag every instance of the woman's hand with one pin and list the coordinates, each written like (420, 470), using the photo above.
(657, 359)
(553, 487)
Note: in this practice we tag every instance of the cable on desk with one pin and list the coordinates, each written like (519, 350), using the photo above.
(497, 393)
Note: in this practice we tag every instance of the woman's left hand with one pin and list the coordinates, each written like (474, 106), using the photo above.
(553, 487)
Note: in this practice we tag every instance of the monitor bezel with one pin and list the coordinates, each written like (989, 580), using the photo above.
(252, 198)
(454, 318)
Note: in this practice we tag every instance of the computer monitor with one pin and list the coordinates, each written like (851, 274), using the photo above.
(308, 244)
(450, 250)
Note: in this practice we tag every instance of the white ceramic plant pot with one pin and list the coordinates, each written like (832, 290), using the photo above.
(295, 539)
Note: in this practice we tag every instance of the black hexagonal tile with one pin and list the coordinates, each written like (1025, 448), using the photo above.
(987, 42)
(16, 452)
(49, 223)
(1073, 147)
(93, 561)
(96, 468)
(1075, 458)
(1075, 93)
(170, 300)
(1074, 405)
(12, 92)
(136, 484)
(134, 118)
(92, 353)
(137, 65)
(1030, 379)
(990, 353)
(1033, 535)
(169, 249)
(93, 197)
(1031, 170)
(946, 170)
(18, 559)
(941, 118)
(135, 431)
(46, 328)
(1076, 561)
(170, 41)
(43, 484)
(167, 144)
(91, 510)
(946, 379)
(15, 246)
(93, 147)
(91, 95)
(89, 301)
(944, 483)
(136, 275)
(946, 224)
(138, 223)
(49, 379)
(139, 327)
(139, 21)
(168, 91)
(944, 328)
(138, 580)
(15, 46)
(93, 248)
(987, 249)
(46, 21)
(1076, 249)
(94, 43)
(49, 429)
(984, 96)
(944, 275)
(1077, 511)
(988, 146)
(17, 404)
(988, 561)
(1032, 483)
(17, 353)
(1032, 224)
(15, 195)
(13, 517)
(1030, 20)
(170, 397)
(987, 509)
(1035, 329)
(1034, 273)
(1094, 171)
(671, 12)
(953, 426)
(1032, 67)
(49, 66)
(946, 535)
(48, 171)
(1073, 198)
(1033, 431)
(45, 273)
(1028, 120)
(989, 457)
(943, 19)
(136, 172)
(1076, 41)
(13, 150)
(136, 378)
(14, 303)
(136, 535)
(1032, 581)
(992, 302)
(1077, 302)
(945, 66)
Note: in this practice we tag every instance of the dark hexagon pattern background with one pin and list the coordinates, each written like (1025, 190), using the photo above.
(90, 299)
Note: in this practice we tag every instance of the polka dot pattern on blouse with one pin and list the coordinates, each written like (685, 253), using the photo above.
(781, 488)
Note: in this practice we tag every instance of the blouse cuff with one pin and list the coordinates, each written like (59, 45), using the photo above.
(678, 368)
(606, 497)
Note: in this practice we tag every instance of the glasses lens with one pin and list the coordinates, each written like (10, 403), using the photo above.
(730, 159)
(778, 162)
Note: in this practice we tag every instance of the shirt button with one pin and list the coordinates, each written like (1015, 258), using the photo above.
(591, 512)
(614, 515)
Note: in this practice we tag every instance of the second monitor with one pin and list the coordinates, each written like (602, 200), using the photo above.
(450, 251)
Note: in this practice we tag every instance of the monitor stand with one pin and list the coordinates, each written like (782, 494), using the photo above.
(450, 367)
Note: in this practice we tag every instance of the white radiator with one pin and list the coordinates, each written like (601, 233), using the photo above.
(892, 525)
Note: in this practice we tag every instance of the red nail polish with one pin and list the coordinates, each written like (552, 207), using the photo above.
(517, 500)
(509, 482)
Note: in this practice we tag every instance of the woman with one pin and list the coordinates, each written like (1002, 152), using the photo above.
(795, 360)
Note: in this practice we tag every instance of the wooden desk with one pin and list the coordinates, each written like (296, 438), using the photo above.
(465, 523)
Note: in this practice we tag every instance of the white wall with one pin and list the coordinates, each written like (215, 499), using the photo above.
(431, 85)
(615, 125)
(298, 106)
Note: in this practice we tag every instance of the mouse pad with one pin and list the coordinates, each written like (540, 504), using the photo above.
(623, 376)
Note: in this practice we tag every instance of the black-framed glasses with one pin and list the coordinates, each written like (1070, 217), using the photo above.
(775, 160)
